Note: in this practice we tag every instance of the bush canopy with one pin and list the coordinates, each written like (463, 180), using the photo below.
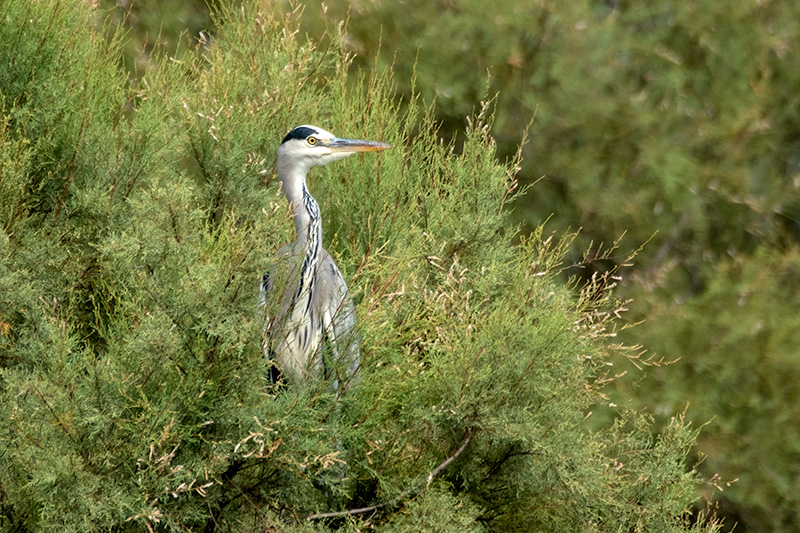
(137, 220)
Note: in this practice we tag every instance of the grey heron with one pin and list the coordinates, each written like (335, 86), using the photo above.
(317, 304)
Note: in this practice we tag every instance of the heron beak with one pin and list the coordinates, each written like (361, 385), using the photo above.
(355, 145)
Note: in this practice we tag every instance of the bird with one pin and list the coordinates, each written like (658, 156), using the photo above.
(316, 306)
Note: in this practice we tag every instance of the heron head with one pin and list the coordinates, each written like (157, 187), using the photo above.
(310, 146)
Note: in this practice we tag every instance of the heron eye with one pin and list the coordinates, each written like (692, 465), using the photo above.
(312, 141)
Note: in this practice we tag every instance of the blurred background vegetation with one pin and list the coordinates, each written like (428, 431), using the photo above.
(673, 124)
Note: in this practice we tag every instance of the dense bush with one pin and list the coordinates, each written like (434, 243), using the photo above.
(136, 224)
(677, 122)
(673, 123)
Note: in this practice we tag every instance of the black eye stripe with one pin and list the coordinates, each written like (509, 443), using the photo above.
(300, 132)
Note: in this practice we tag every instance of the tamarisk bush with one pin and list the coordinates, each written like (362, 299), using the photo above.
(137, 219)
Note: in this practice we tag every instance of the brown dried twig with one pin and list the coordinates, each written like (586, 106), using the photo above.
(429, 478)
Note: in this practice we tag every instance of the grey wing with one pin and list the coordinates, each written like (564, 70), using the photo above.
(264, 291)
(339, 320)
(266, 286)
(264, 294)
(273, 309)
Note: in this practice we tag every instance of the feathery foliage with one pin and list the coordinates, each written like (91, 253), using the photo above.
(675, 123)
(136, 225)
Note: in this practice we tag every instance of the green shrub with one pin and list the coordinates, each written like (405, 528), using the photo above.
(136, 225)
(674, 123)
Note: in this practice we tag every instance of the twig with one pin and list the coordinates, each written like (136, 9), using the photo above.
(435, 472)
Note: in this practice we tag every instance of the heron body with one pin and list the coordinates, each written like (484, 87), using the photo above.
(316, 306)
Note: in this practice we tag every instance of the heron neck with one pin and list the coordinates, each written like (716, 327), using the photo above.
(307, 221)
(305, 209)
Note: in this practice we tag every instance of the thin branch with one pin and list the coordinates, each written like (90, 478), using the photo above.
(373, 508)
(436, 471)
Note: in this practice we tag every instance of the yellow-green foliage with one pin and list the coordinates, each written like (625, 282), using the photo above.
(137, 222)
(676, 121)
